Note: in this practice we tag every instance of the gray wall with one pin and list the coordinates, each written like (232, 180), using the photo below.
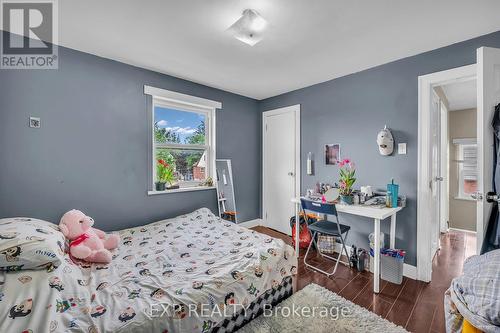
(92, 150)
(352, 109)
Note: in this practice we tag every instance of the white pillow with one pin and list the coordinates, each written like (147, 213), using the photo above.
(27, 243)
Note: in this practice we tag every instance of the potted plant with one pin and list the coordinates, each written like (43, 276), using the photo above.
(164, 174)
(347, 172)
(208, 182)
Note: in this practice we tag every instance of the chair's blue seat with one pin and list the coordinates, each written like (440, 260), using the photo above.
(329, 228)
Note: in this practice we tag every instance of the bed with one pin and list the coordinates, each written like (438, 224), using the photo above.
(472, 303)
(193, 273)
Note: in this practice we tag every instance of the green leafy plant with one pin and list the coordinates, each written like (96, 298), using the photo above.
(165, 172)
(347, 180)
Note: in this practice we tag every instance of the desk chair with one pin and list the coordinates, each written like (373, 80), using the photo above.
(325, 227)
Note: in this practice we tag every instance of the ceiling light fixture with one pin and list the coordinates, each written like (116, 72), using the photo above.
(249, 28)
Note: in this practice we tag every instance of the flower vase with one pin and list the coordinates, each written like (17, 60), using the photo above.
(347, 199)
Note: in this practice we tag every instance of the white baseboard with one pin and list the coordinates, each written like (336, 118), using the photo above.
(410, 271)
(251, 223)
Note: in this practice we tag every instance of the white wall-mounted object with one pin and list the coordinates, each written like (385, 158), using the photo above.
(309, 163)
(385, 142)
(402, 148)
(35, 122)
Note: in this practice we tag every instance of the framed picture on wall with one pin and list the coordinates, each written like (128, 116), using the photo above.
(332, 154)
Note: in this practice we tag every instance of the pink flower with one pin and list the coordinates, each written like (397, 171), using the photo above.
(346, 161)
(341, 164)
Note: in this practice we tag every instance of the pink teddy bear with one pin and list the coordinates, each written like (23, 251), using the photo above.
(87, 243)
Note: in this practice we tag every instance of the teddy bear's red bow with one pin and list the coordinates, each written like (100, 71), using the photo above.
(78, 240)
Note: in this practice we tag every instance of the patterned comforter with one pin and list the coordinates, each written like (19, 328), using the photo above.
(179, 275)
(475, 295)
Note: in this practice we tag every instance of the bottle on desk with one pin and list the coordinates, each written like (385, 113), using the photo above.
(355, 199)
(388, 199)
(392, 194)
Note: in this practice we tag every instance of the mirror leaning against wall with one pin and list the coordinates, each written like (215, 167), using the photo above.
(225, 190)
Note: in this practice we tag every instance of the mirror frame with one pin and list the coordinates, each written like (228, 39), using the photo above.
(230, 170)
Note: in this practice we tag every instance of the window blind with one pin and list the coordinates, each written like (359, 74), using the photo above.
(469, 158)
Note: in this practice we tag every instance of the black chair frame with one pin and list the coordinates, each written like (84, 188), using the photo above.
(327, 209)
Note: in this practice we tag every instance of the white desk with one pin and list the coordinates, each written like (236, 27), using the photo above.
(377, 214)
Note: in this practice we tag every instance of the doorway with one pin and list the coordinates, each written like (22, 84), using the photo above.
(280, 166)
(439, 155)
(453, 139)
(457, 104)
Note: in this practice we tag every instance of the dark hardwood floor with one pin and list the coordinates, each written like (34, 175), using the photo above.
(415, 305)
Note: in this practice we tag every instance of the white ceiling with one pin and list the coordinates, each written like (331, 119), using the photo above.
(307, 42)
(461, 95)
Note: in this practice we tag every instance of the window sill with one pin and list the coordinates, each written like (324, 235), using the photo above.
(184, 189)
(464, 198)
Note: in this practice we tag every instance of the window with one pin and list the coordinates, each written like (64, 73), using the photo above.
(183, 141)
(467, 167)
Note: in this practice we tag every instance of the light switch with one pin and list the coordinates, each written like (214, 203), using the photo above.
(34, 122)
(402, 148)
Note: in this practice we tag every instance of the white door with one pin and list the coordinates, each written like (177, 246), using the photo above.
(435, 168)
(488, 95)
(444, 190)
(281, 151)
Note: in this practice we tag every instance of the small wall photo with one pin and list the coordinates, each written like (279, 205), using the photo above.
(332, 154)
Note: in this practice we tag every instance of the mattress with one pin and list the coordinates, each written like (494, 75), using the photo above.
(187, 274)
(271, 298)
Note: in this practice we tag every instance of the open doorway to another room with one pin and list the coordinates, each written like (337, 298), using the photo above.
(470, 158)
(457, 104)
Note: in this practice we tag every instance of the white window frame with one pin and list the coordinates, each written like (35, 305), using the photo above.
(461, 144)
(188, 103)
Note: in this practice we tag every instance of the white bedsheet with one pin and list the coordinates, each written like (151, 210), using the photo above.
(194, 262)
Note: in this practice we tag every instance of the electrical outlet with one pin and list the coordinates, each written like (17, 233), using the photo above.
(35, 122)
(402, 148)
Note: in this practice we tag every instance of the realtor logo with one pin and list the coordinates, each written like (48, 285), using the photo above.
(29, 34)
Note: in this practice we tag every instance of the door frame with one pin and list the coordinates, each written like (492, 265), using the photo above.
(425, 85)
(298, 176)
